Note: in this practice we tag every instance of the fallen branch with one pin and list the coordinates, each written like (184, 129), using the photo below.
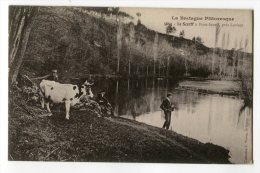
(28, 79)
(41, 77)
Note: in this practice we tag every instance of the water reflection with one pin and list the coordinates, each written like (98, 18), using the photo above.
(208, 118)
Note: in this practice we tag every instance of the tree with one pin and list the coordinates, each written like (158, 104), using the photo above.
(21, 22)
(170, 29)
(223, 64)
(182, 34)
(227, 41)
(217, 31)
(155, 50)
(119, 41)
(131, 43)
(244, 55)
(199, 40)
(234, 59)
(115, 10)
(138, 14)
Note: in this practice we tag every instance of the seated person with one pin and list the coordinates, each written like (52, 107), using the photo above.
(106, 107)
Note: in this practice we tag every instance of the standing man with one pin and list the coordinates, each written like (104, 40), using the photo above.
(167, 107)
(53, 76)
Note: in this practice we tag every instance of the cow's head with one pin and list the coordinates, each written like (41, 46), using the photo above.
(87, 89)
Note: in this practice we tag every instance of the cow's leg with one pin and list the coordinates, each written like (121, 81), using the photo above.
(48, 106)
(48, 100)
(42, 99)
(42, 102)
(67, 106)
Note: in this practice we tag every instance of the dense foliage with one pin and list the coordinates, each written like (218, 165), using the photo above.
(80, 41)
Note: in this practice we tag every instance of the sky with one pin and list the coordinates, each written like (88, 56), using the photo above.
(155, 18)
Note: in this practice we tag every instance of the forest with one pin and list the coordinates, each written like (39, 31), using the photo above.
(105, 41)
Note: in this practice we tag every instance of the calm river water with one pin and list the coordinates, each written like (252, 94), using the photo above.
(207, 118)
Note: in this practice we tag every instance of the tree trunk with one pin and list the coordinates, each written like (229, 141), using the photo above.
(234, 65)
(21, 21)
(155, 51)
(132, 42)
(216, 42)
(119, 42)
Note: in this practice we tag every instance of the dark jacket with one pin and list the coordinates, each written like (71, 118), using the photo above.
(52, 78)
(102, 100)
(167, 106)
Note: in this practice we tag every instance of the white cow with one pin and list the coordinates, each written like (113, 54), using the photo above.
(51, 91)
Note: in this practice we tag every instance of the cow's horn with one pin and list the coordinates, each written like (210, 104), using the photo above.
(88, 84)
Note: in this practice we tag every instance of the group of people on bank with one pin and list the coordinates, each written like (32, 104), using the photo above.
(166, 105)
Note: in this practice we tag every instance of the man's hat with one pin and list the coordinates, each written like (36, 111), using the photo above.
(169, 94)
(54, 71)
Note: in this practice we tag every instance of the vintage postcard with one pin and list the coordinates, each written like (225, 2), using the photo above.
(117, 84)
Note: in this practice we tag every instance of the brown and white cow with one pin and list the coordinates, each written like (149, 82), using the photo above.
(51, 91)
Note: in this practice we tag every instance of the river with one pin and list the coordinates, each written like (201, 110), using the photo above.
(206, 117)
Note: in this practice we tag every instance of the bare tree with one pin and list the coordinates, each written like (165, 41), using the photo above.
(155, 50)
(217, 31)
(240, 57)
(244, 55)
(227, 42)
(21, 22)
(234, 59)
(222, 62)
(119, 41)
(226, 57)
(131, 40)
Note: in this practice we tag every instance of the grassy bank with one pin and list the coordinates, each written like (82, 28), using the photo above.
(87, 137)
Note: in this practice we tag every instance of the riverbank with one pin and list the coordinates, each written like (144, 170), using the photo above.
(87, 137)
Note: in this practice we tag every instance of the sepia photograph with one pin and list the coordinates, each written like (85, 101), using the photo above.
(128, 84)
